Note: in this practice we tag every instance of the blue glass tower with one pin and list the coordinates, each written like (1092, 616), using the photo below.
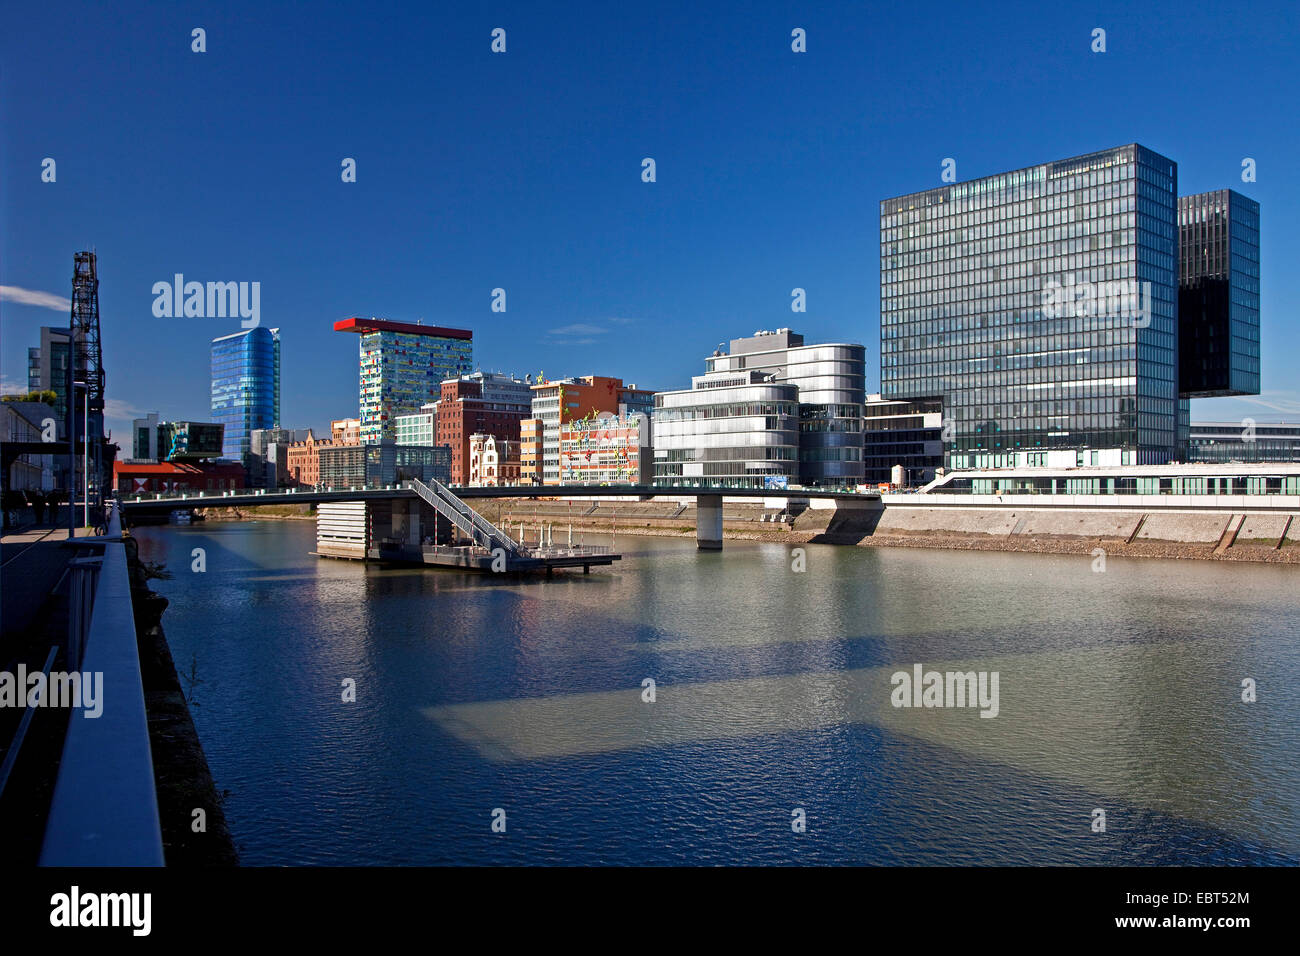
(1041, 306)
(245, 386)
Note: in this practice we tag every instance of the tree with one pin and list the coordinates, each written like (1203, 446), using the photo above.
(48, 396)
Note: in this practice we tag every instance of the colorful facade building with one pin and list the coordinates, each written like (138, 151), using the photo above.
(403, 366)
(566, 400)
(605, 449)
(493, 461)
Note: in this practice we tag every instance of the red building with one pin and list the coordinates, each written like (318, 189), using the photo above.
(463, 410)
(164, 477)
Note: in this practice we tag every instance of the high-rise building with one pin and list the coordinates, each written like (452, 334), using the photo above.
(832, 382)
(1218, 294)
(566, 400)
(245, 387)
(403, 366)
(1040, 307)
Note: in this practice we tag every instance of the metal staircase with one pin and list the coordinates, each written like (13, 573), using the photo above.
(483, 532)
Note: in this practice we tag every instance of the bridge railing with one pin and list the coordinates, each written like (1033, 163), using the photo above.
(104, 810)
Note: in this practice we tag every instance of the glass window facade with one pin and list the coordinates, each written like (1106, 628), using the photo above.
(1040, 307)
(245, 387)
(831, 379)
(730, 430)
(1218, 296)
(402, 371)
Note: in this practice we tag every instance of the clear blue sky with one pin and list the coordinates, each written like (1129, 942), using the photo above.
(523, 170)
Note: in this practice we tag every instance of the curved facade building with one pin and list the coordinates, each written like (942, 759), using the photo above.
(729, 429)
(831, 379)
(245, 387)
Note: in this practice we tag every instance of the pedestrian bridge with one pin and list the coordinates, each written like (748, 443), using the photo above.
(708, 498)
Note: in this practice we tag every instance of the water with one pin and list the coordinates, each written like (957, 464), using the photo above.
(1119, 691)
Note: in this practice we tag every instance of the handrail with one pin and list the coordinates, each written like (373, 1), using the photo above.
(463, 516)
(104, 810)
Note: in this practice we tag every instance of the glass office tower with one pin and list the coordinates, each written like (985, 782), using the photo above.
(1218, 295)
(245, 387)
(1040, 305)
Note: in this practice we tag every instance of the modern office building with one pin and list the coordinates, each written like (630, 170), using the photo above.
(154, 440)
(906, 434)
(144, 438)
(417, 428)
(190, 441)
(381, 463)
(566, 400)
(734, 429)
(1218, 294)
(831, 378)
(47, 369)
(1246, 441)
(245, 387)
(1040, 307)
(403, 366)
(606, 449)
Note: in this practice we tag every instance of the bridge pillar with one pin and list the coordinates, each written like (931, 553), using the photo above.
(708, 522)
(413, 530)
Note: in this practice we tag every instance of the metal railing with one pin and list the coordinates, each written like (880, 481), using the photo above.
(104, 810)
(463, 516)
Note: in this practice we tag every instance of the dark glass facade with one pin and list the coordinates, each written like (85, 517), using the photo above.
(1040, 306)
(907, 434)
(245, 387)
(1218, 295)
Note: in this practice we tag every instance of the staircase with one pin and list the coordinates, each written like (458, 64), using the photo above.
(481, 531)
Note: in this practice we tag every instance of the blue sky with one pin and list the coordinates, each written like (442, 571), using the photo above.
(522, 170)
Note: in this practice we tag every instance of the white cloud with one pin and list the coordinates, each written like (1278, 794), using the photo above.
(43, 300)
(578, 328)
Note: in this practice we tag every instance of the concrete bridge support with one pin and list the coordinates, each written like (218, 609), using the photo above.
(708, 522)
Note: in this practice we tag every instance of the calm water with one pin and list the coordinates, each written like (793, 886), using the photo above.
(1118, 691)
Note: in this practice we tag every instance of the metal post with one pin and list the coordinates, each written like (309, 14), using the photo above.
(85, 458)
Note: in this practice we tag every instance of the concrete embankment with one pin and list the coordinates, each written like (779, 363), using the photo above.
(1205, 535)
